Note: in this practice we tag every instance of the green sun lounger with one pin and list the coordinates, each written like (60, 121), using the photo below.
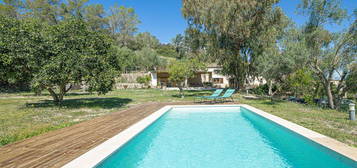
(228, 94)
(216, 93)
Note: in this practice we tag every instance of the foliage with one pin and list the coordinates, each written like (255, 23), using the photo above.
(146, 40)
(148, 59)
(329, 53)
(180, 46)
(280, 59)
(167, 50)
(182, 70)
(144, 79)
(126, 58)
(95, 17)
(351, 80)
(236, 32)
(10, 8)
(21, 45)
(56, 57)
(83, 58)
(122, 24)
(301, 82)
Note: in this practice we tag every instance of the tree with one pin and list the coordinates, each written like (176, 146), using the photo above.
(95, 17)
(73, 8)
(146, 40)
(236, 32)
(11, 8)
(330, 54)
(123, 24)
(167, 50)
(182, 70)
(179, 44)
(75, 55)
(301, 82)
(20, 44)
(148, 59)
(125, 58)
(48, 11)
(281, 59)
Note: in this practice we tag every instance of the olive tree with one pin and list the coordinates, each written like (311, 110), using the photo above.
(182, 70)
(331, 55)
(235, 31)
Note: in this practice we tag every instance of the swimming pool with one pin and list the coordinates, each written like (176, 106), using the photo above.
(220, 136)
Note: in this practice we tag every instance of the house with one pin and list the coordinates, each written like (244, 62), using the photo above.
(218, 79)
(211, 77)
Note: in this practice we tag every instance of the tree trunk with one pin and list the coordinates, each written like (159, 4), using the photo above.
(240, 84)
(329, 94)
(270, 92)
(54, 95)
(181, 91)
(186, 83)
(58, 98)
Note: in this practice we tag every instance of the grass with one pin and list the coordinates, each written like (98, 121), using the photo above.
(24, 115)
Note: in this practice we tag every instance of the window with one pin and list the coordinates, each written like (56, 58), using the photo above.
(218, 80)
(217, 71)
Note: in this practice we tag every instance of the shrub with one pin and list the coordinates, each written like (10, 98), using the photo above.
(144, 79)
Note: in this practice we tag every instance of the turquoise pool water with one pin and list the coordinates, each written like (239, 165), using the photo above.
(209, 137)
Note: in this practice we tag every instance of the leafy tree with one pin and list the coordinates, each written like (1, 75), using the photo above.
(182, 70)
(351, 80)
(148, 59)
(125, 58)
(301, 82)
(180, 46)
(329, 54)
(21, 43)
(73, 8)
(146, 40)
(11, 8)
(75, 55)
(282, 58)
(95, 17)
(48, 11)
(123, 24)
(167, 50)
(236, 32)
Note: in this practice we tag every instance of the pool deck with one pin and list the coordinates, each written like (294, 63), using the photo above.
(56, 148)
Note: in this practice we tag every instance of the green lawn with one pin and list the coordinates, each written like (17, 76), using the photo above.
(23, 115)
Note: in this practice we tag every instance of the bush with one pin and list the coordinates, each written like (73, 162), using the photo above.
(309, 99)
(263, 89)
(144, 79)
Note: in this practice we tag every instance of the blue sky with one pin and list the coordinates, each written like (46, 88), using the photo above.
(163, 18)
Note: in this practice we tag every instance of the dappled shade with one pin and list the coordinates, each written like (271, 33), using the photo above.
(105, 103)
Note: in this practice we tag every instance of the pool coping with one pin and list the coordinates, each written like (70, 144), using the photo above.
(102, 151)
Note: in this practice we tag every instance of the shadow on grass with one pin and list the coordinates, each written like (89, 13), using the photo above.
(105, 103)
(273, 102)
(192, 93)
(69, 94)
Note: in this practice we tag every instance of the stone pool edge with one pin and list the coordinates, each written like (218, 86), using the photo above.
(102, 151)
